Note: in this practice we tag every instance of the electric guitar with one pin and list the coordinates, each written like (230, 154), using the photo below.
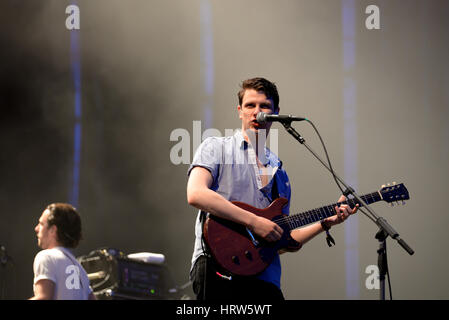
(240, 252)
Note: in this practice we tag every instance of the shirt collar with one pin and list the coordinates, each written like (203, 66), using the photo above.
(241, 142)
(273, 160)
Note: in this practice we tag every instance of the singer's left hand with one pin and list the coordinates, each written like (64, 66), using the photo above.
(342, 212)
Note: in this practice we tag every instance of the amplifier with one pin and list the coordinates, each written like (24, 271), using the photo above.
(114, 276)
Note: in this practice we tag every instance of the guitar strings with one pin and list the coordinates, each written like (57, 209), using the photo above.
(314, 215)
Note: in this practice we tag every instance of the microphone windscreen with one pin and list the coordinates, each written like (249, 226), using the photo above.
(261, 117)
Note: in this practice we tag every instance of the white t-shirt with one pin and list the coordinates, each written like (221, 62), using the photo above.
(60, 266)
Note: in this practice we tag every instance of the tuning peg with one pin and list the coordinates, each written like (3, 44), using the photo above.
(383, 186)
(403, 202)
(392, 204)
(394, 182)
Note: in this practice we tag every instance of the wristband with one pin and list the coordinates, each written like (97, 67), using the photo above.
(324, 226)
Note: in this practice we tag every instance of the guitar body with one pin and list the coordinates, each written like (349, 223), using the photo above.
(233, 248)
(240, 252)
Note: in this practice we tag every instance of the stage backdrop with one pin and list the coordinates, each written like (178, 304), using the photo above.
(104, 102)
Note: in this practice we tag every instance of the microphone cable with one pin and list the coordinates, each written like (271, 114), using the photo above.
(345, 193)
(332, 169)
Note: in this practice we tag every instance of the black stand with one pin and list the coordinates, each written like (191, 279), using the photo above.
(382, 261)
(4, 259)
(384, 226)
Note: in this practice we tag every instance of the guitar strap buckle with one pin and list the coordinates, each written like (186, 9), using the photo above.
(330, 241)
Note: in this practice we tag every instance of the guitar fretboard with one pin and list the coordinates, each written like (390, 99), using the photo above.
(301, 219)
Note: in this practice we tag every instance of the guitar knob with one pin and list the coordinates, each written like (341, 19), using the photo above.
(235, 259)
(248, 255)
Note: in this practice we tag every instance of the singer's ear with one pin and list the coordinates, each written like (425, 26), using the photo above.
(239, 108)
(54, 230)
(276, 110)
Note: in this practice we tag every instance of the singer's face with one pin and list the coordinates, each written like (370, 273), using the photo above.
(254, 102)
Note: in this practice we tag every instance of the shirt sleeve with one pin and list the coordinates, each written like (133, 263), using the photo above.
(208, 155)
(43, 267)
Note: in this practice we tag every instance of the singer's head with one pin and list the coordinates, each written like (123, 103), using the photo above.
(257, 95)
(260, 85)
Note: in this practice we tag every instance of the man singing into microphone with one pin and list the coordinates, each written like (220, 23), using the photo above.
(218, 176)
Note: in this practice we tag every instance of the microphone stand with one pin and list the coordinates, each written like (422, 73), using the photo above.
(384, 226)
(382, 263)
(4, 259)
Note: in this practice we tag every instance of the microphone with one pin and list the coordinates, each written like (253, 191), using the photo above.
(263, 117)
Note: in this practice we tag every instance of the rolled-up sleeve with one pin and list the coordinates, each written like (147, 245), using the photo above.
(43, 267)
(208, 156)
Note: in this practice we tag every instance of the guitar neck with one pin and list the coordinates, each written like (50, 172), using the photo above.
(301, 219)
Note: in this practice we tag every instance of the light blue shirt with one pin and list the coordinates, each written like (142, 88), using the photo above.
(237, 177)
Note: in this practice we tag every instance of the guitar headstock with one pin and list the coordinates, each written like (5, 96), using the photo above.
(395, 192)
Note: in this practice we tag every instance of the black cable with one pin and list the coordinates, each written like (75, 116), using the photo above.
(327, 156)
(344, 192)
(388, 272)
(331, 168)
(389, 285)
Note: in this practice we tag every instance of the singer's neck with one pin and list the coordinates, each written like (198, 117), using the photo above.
(257, 139)
(258, 134)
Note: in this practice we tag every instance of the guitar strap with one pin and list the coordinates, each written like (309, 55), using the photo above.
(75, 263)
(274, 189)
(203, 216)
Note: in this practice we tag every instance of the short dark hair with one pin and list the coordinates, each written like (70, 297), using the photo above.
(260, 84)
(68, 222)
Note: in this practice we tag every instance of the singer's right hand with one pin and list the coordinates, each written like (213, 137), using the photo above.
(266, 229)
